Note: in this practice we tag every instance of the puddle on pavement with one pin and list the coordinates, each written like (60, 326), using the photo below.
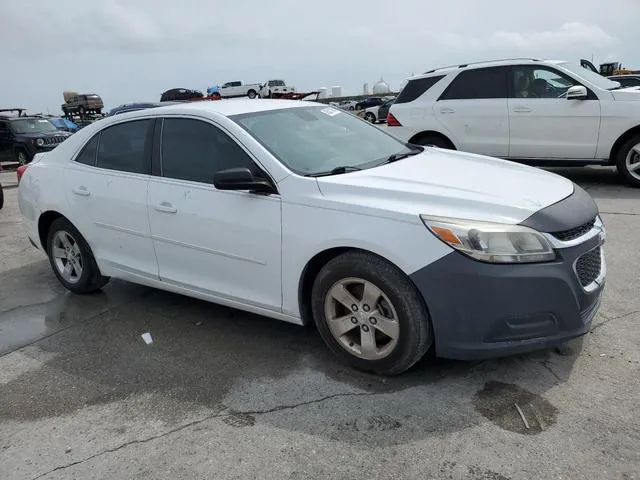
(499, 403)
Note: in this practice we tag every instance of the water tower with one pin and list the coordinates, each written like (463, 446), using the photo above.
(381, 87)
(336, 91)
(322, 92)
(365, 89)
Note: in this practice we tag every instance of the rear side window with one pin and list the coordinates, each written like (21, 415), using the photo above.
(194, 150)
(415, 88)
(476, 84)
(122, 147)
(88, 154)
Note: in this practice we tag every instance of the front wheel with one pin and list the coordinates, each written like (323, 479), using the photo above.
(251, 94)
(370, 117)
(21, 157)
(628, 161)
(369, 314)
(72, 260)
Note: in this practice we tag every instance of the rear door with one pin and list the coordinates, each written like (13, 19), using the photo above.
(473, 108)
(6, 143)
(106, 188)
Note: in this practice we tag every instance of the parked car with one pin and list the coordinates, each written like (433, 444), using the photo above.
(348, 105)
(379, 113)
(64, 124)
(626, 80)
(131, 107)
(22, 137)
(526, 110)
(369, 102)
(274, 89)
(389, 248)
(237, 89)
(176, 94)
(84, 103)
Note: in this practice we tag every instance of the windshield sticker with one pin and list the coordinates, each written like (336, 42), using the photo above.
(332, 112)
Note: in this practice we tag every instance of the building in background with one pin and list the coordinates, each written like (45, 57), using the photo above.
(381, 87)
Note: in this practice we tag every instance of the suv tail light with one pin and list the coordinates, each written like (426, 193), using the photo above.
(392, 121)
(20, 171)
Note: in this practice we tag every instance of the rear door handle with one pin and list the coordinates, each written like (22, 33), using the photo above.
(521, 109)
(82, 190)
(165, 207)
(447, 110)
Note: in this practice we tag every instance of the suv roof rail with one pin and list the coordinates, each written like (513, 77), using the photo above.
(463, 65)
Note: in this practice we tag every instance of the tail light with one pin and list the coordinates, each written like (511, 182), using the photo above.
(20, 171)
(392, 121)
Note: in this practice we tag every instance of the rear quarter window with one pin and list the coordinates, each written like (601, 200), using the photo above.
(415, 88)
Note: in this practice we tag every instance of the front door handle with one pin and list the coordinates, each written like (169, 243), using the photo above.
(82, 190)
(165, 207)
(447, 110)
(521, 109)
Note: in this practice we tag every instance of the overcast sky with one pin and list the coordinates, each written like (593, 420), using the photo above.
(134, 50)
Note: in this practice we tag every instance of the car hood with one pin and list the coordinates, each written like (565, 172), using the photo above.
(449, 184)
(628, 93)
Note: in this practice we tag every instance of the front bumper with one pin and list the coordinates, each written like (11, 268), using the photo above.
(480, 310)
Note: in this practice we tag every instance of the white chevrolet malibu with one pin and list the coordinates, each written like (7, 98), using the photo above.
(305, 213)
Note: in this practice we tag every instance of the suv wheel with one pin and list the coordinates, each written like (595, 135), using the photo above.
(369, 314)
(1, 197)
(628, 161)
(72, 260)
(433, 141)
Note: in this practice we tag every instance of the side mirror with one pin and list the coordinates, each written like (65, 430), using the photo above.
(578, 92)
(241, 179)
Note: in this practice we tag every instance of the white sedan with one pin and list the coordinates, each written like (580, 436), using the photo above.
(306, 213)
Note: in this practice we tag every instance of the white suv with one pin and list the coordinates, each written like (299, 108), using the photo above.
(544, 112)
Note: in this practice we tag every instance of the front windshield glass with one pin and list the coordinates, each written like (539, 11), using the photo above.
(312, 140)
(32, 125)
(591, 77)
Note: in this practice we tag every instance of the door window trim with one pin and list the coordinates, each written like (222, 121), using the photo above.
(156, 159)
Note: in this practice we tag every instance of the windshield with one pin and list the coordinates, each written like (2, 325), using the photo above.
(311, 140)
(32, 125)
(590, 76)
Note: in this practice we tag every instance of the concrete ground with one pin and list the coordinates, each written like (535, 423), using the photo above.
(223, 394)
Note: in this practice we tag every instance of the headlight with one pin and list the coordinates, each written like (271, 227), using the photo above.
(40, 142)
(491, 242)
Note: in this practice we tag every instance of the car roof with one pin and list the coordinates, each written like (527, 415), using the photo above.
(486, 63)
(222, 107)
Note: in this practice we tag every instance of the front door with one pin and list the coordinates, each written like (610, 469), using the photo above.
(106, 188)
(473, 110)
(543, 124)
(225, 243)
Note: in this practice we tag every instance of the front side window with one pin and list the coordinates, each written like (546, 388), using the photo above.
(32, 125)
(537, 82)
(312, 140)
(122, 146)
(195, 150)
(481, 83)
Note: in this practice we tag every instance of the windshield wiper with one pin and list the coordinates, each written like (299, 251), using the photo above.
(336, 171)
(399, 156)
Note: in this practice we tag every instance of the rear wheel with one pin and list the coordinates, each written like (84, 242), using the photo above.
(72, 260)
(1, 198)
(369, 314)
(370, 117)
(21, 157)
(251, 94)
(628, 161)
(433, 141)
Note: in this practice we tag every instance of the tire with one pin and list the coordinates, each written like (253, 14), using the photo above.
(370, 117)
(1, 197)
(65, 112)
(21, 157)
(351, 108)
(89, 280)
(628, 157)
(398, 299)
(433, 141)
(251, 94)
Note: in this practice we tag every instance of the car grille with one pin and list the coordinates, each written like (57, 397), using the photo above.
(588, 266)
(572, 234)
(54, 140)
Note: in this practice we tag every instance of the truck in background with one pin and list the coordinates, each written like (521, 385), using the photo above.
(275, 89)
(238, 89)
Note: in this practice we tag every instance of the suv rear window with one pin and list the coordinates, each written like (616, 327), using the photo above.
(478, 83)
(414, 88)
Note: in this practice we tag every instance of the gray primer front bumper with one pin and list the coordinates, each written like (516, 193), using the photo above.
(481, 310)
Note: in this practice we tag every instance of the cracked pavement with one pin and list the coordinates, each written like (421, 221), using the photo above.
(224, 394)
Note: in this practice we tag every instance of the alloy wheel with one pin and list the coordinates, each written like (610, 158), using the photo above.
(632, 162)
(67, 256)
